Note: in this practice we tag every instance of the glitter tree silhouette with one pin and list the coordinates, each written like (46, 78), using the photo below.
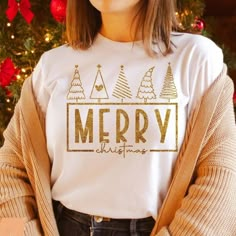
(76, 90)
(99, 89)
(122, 89)
(169, 90)
(146, 90)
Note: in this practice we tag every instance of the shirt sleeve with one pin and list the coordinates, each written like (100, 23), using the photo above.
(38, 82)
(206, 65)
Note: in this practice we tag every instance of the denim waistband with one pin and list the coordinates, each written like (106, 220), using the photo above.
(92, 220)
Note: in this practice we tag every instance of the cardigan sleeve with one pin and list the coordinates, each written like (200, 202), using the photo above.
(209, 208)
(16, 192)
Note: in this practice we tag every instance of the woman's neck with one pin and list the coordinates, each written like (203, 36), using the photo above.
(119, 27)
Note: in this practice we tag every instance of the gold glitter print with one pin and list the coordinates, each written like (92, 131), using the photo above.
(122, 90)
(122, 126)
(99, 90)
(76, 91)
(106, 128)
(169, 90)
(146, 90)
(86, 133)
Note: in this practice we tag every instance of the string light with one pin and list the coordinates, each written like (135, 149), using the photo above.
(23, 70)
(18, 76)
(8, 100)
(186, 12)
(12, 36)
(47, 37)
(8, 24)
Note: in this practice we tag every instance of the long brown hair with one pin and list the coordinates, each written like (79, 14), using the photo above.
(155, 17)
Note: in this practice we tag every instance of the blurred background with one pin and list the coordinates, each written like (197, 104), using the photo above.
(221, 19)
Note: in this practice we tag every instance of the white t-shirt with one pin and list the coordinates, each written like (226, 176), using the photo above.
(116, 119)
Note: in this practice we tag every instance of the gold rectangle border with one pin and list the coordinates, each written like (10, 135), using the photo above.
(109, 103)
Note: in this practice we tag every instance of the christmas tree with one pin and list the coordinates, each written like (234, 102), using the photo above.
(169, 90)
(31, 27)
(122, 89)
(76, 90)
(146, 90)
(28, 28)
(99, 88)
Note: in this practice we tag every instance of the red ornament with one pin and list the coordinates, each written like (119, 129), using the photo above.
(8, 72)
(23, 7)
(199, 24)
(58, 10)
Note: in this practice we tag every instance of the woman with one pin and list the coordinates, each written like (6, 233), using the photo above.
(138, 126)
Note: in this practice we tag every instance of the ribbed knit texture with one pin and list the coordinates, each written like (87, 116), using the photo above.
(25, 169)
(209, 207)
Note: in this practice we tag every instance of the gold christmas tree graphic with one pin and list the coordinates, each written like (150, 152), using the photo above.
(76, 90)
(122, 89)
(169, 90)
(99, 89)
(146, 90)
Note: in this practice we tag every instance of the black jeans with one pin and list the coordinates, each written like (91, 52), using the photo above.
(74, 223)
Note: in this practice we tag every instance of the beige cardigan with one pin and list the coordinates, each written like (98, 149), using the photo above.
(207, 206)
